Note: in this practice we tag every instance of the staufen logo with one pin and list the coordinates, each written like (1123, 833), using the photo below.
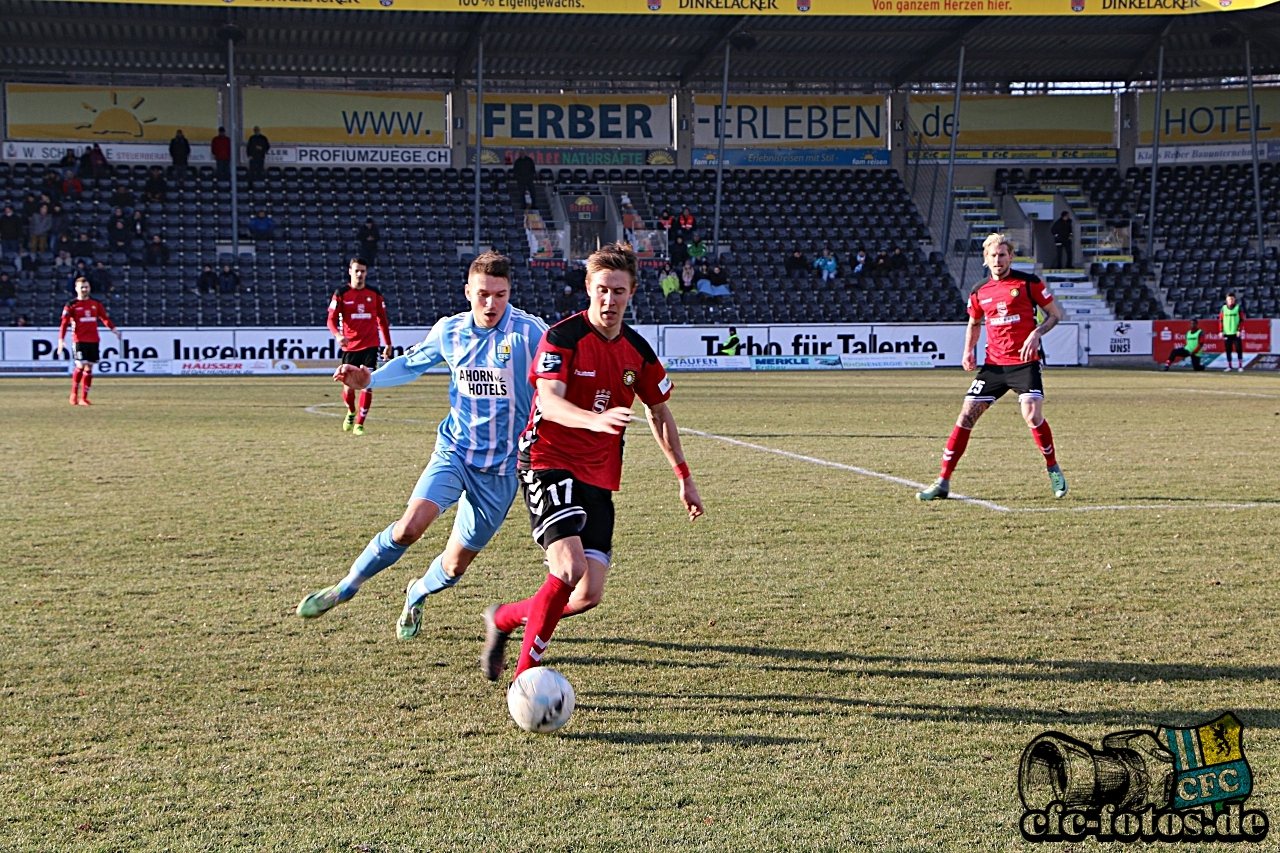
(1171, 785)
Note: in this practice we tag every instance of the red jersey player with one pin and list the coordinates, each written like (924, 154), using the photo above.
(1007, 303)
(588, 370)
(82, 314)
(357, 315)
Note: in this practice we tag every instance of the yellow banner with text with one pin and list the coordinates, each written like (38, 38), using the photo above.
(793, 121)
(1011, 121)
(37, 111)
(1218, 115)
(347, 118)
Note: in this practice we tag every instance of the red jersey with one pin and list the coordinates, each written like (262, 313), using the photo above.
(82, 315)
(599, 375)
(358, 315)
(1009, 307)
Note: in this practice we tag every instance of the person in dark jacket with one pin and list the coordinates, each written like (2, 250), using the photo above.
(12, 227)
(180, 153)
(256, 148)
(525, 173)
(228, 280)
(1063, 230)
(156, 187)
(157, 253)
(122, 198)
(119, 239)
(368, 237)
(797, 265)
(208, 281)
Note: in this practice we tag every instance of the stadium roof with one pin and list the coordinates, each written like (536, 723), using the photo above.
(118, 42)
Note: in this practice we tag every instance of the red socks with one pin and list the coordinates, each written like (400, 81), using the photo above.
(86, 379)
(544, 614)
(366, 397)
(349, 397)
(956, 444)
(1044, 440)
(511, 616)
(76, 373)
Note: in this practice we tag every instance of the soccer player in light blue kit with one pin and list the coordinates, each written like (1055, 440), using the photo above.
(489, 351)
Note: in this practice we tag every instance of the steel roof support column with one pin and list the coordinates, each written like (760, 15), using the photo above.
(949, 211)
(720, 126)
(1155, 153)
(1253, 144)
(235, 144)
(475, 212)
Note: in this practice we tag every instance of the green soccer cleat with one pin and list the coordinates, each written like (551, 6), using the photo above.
(937, 492)
(349, 421)
(1058, 481)
(319, 603)
(410, 617)
(357, 429)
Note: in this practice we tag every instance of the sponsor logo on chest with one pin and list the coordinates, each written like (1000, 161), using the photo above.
(482, 382)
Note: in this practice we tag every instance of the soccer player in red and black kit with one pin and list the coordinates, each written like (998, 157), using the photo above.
(588, 370)
(82, 314)
(1007, 303)
(357, 314)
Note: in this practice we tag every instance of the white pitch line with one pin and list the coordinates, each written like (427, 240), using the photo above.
(312, 410)
(1117, 507)
(1225, 393)
(866, 472)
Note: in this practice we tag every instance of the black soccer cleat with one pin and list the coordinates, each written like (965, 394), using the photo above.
(493, 658)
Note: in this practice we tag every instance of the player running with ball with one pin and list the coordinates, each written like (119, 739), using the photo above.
(1007, 302)
(82, 315)
(489, 351)
(589, 369)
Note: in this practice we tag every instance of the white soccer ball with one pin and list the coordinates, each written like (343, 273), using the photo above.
(540, 700)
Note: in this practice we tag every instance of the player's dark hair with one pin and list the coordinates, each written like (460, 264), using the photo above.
(491, 263)
(358, 260)
(1230, 293)
(614, 256)
(83, 278)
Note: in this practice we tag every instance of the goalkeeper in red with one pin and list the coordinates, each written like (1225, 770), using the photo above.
(588, 370)
(357, 315)
(82, 316)
(1007, 303)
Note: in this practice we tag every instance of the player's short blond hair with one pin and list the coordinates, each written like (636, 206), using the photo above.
(613, 256)
(994, 240)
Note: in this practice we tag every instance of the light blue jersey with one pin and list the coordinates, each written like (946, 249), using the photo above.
(489, 394)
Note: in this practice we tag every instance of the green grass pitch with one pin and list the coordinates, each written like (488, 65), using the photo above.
(821, 664)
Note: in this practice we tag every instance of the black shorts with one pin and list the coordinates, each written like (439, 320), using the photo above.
(87, 352)
(561, 506)
(1231, 343)
(361, 357)
(995, 380)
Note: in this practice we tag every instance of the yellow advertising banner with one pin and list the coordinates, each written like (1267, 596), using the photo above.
(36, 111)
(536, 121)
(761, 8)
(1218, 115)
(793, 121)
(347, 118)
(1009, 121)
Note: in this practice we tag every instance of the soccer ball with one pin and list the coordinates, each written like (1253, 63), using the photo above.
(540, 700)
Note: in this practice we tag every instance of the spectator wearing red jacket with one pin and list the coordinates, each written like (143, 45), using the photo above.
(687, 222)
(221, 148)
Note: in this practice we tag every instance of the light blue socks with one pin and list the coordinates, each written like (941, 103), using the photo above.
(432, 582)
(382, 551)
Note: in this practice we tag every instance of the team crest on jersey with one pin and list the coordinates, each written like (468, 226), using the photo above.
(1002, 307)
(1013, 293)
(602, 402)
(504, 352)
(628, 377)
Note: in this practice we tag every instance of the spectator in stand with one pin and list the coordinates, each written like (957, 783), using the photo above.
(686, 223)
(826, 264)
(58, 224)
(71, 186)
(712, 283)
(117, 215)
(262, 227)
(51, 189)
(566, 303)
(22, 321)
(679, 252)
(8, 291)
(697, 249)
(97, 161)
(120, 238)
(881, 265)
(666, 221)
(85, 169)
(156, 187)
(575, 275)
(524, 171)
(797, 264)
(122, 198)
(69, 160)
(368, 237)
(1063, 230)
(670, 282)
(687, 276)
(137, 225)
(228, 280)
(860, 263)
(62, 252)
(898, 261)
(11, 232)
(24, 263)
(157, 253)
(82, 248)
(221, 149)
(180, 153)
(102, 281)
(38, 228)
(208, 281)
(256, 148)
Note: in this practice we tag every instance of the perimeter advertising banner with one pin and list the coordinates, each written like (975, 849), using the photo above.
(1166, 335)
(558, 121)
(759, 8)
(793, 121)
(1219, 115)
(1003, 122)
(347, 118)
(36, 111)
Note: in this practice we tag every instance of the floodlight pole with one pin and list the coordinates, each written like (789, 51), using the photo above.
(720, 125)
(475, 213)
(1155, 153)
(1253, 145)
(235, 144)
(949, 210)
